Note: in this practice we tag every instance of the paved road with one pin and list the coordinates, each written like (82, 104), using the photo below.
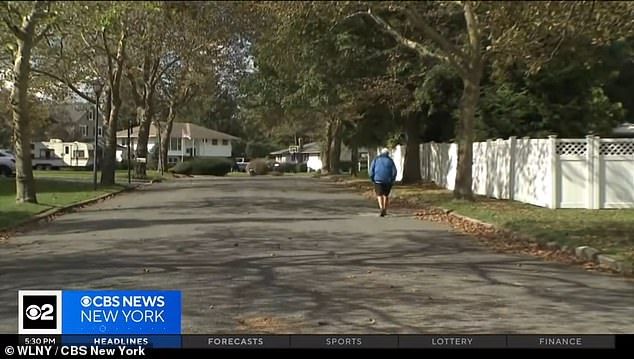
(295, 255)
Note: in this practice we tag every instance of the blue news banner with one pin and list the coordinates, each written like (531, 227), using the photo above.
(105, 318)
(134, 320)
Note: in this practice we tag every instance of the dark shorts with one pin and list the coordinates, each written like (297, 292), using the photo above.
(382, 189)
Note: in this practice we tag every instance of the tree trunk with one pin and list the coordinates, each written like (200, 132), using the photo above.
(411, 164)
(167, 134)
(142, 115)
(109, 164)
(327, 147)
(470, 97)
(25, 185)
(109, 150)
(335, 154)
(159, 165)
(354, 154)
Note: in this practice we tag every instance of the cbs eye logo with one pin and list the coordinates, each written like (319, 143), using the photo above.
(44, 312)
(39, 312)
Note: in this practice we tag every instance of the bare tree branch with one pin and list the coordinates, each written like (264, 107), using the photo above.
(564, 33)
(68, 83)
(419, 48)
(164, 70)
(14, 29)
(135, 93)
(473, 30)
(108, 54)
(441, 41)
(43, 33)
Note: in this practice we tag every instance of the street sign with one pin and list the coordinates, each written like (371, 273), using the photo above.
(141, 160)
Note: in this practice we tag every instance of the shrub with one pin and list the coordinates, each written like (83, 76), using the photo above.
(345, 166)
(274, 166)
(258, 165)
(214, 166)
(182, 168)
(301, 167)
(289, 167)
(123, 165)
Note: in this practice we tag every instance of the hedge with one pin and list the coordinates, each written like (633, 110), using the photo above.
(258, 165)
(213, 166)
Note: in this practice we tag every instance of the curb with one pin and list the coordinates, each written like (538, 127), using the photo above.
(50, 214)
(584, 253)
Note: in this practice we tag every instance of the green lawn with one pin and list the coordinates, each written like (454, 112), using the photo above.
(609, 230)
(51, 193)
(298, 174)
(121, 176)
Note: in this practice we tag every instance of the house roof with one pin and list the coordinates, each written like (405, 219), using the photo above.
(314, 147)
(180, 129)
(624, 129)
(75, 111)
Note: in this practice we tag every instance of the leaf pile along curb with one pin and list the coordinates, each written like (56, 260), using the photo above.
(502, 239)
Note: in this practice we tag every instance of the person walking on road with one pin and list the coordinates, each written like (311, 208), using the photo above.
(383, 175)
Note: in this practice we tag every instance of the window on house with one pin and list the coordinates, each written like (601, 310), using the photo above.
(79, 154)
(83, 129)
(225, 142)
(91, 115)
(175, 144)
(100, 131)
(214, 142)
(66, 150)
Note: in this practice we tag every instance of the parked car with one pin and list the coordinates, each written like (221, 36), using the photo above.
(7, 163)
(241, 164)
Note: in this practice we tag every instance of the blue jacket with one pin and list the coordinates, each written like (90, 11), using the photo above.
(382, 169)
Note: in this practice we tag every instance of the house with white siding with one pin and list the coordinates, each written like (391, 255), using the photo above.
(311, 154)
(186, 140)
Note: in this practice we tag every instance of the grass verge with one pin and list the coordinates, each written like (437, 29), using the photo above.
(609, 230)
(121, 176)
(51, 193)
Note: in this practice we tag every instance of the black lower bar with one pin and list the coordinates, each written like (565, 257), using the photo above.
(241, 341)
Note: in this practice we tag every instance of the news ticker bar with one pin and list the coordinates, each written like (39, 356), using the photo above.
(243, 341)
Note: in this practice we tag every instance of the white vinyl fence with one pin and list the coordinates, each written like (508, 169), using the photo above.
(588, 173)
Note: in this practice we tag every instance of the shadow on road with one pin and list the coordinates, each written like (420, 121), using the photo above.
(314, 262)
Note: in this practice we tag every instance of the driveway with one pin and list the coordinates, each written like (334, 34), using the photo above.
(297, 255)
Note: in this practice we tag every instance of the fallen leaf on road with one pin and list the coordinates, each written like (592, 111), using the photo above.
(264, 324)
